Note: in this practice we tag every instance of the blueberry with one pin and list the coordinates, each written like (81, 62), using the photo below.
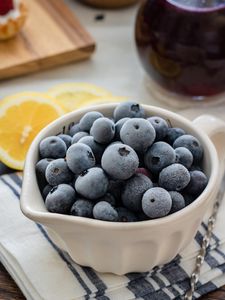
(128, 109)
(92, 184)
(82, 208)
(78, 136)
(138, 133)
(184, 157)
(115, 188)
(141, 216)
(133, 191)
(188, 199)
(80, 158)
(60, 199)
(46, 191)
(156, 203)
(52, 147)
(173, 134)
(57, 172)
(196, 168)
(174, 177)
(105, 212)
(161, 127)
(66, 138)
(88, 119)
(191, 143)
(159, 156)
(40, 168)
(125, 215)
(178, 201)
(97, 148)
(103, 130)
(118, 126)
(108, 198)
(74, 129)
(120, 161)
(197, 183)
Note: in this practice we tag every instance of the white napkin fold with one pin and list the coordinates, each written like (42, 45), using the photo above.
(42, 271)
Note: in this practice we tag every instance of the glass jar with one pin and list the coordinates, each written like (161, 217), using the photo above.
(181, 45)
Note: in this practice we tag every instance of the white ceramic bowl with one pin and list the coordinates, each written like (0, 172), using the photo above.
(122, 247)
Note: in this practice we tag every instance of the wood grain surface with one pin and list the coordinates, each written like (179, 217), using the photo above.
(10, 291)
(51, 36)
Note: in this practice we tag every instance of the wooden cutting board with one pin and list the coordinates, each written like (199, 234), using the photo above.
(51, 36)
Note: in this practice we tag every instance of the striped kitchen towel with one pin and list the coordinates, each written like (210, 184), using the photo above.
(43, 271)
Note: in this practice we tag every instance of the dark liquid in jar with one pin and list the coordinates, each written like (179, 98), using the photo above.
(182, 44)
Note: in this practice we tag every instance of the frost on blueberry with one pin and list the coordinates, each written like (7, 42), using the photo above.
(92, 184)
(52, 147)
(120, 161)
(126, 167)
(80, 158)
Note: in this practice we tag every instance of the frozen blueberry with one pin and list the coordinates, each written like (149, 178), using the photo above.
(52, 147)
(141, 216)
(197, 183)
(108, 198)
(138, 133)
(133, 191)
(66, 138)
(184, 157)
(191, 143)
(78, 136)
(173, 134)
(92, 184)
(40, 168)
(74, 129)
(82, 208)
(159, 156)
(115, 188)
(88, 119)
(160, 125)
(178, 201)
(118, 126)
(103, 130)
(80, 158)
(196, 168)
(156, 203)
(174, 177)
(97, 148)
(60, 199)
(188, 199)
(57, 172)
(125, 215)
(105, 212)
(129, 110)
(46, 191)
(120, 161)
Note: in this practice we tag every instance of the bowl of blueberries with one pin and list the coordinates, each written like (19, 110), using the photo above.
(121, 187)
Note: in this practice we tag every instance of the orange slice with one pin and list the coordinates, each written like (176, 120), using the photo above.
(22, 116)
(71, 96)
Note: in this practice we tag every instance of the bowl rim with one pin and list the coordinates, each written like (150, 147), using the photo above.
(48, 218)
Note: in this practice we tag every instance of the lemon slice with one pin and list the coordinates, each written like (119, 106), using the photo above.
(71, 96)
(22, 116)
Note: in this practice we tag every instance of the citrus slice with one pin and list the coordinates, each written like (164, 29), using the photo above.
(22, 116)
(76, 94)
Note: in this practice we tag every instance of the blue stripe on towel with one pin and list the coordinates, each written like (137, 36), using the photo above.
(91, 274)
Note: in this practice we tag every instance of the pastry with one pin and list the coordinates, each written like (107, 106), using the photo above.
(13, 14)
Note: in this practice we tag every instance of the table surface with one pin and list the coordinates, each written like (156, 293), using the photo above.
(114, 67)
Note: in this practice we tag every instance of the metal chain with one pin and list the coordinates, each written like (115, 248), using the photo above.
(205, 243)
